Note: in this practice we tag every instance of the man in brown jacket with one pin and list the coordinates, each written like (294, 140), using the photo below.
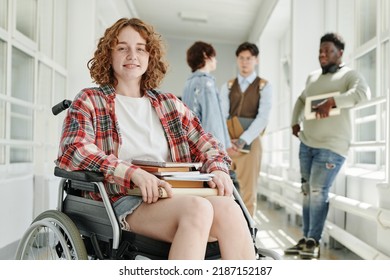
(247, 100)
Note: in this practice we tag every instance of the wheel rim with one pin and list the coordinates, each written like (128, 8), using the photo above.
(51, 236)
(45, 241)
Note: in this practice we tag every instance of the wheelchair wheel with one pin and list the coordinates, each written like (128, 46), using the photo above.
(52, 236)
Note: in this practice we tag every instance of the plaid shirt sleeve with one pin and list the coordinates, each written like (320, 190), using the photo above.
(89, 141)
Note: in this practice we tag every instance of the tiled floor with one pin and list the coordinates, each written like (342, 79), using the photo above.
(276, 232)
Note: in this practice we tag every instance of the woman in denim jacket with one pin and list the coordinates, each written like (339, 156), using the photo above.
(200, 93)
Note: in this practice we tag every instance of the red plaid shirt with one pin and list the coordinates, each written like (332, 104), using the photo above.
(91, 137)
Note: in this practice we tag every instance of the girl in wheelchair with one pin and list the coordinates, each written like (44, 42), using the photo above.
(125, 118)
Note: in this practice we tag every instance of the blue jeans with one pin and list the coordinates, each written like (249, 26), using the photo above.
(319, 168)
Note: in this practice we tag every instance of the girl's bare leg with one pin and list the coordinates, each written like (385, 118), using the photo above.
(184, 221)
(231, 229)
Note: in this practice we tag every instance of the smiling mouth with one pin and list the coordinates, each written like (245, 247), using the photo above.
(131, 66)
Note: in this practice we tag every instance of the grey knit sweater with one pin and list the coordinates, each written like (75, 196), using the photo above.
(334, 132)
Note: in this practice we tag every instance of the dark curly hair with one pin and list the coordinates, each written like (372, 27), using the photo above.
(335, 38)
(100, 66)
(198, 53)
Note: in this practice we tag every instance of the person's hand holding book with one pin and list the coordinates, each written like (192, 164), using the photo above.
(322, 109)
(222, 182)
(149, 185)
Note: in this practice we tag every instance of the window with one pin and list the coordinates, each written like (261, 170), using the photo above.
(2, 131)
(385, 9)
(46, 28)
(22, 70)
(26, 18)
(371, 59)
(60, 31)
(366, 65)
(32, 68)
(366, 21)
(3, 13)
(3, 64)
(21, 115)
(385, 88)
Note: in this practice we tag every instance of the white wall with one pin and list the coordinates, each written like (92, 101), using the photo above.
(17, 194)
(81, 43)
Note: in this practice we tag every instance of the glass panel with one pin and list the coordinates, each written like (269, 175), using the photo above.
(2, 119)
(366, 131)
(366, 21)
(21, 123)
(369, 111)
(383, 122)
(383, 157)
(22, 70)
(2, 154)
(21, 155)
(385, 15)
(60, 88)
(46, 27)
(3, 63)
(60, 31)
(3, 13)
(2, 130)
(44, 85)
(385, 69)
(26, 18)
(366, 65)
(366, 157)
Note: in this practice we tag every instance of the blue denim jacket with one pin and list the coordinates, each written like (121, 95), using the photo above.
(201, 95)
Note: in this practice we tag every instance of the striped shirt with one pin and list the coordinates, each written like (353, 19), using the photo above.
(91, 138)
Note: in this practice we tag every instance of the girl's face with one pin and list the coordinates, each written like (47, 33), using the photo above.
(129, 57)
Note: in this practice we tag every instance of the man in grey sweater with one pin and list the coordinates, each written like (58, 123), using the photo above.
(325, 138)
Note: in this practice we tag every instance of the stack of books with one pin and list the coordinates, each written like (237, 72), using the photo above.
(185, 178)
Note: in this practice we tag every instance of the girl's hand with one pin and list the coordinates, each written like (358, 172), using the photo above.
(149, 184)
(222, 182)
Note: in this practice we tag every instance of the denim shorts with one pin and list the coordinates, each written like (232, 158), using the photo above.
(125, 206)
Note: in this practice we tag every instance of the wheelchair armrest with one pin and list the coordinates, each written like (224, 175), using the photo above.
(85, 176)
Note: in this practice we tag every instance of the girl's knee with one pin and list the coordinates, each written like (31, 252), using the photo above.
(198, 211)
(227, 209)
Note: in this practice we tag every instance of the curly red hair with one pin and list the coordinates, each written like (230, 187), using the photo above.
(100, 65)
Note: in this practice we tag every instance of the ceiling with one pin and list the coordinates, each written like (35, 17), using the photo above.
(226, 21)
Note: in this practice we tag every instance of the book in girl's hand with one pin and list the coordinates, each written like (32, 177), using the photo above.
(179, 191)
(194, 165)
(156, 169)
(193, 181)
(178, 174)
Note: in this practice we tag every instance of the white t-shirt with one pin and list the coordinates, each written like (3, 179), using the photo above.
(142, 133)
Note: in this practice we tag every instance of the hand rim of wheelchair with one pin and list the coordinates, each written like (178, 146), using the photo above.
(52, 225)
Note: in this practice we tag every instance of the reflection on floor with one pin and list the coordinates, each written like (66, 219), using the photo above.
(277, 233)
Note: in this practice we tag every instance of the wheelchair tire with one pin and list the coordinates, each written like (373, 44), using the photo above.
(52, 236)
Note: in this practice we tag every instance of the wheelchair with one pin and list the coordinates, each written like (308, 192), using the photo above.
(85, 229)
